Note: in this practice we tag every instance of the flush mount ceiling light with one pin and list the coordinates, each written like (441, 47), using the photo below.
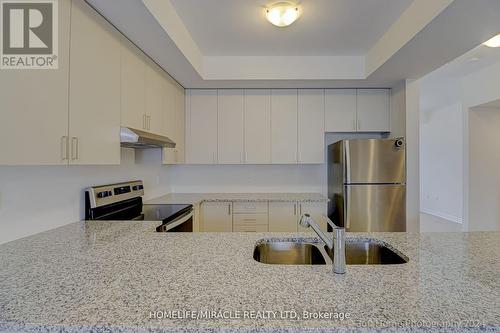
(282, 14)
(493, 42)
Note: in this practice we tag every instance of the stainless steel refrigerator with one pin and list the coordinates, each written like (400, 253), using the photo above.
(367, 184)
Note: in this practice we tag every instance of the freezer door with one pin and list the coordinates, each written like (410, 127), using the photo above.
(374, 161)
(372, 208)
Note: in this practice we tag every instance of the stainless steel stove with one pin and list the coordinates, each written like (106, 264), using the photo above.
(123, 201)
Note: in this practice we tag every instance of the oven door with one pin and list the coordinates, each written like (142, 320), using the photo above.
(183, 223)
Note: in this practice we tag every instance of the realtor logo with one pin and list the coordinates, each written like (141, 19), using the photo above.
(28, 34)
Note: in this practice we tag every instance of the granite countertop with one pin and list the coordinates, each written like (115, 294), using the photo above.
(195, 198)
(117, 276)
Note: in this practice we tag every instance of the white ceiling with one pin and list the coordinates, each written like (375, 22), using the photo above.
(370, 47)
(326, 27)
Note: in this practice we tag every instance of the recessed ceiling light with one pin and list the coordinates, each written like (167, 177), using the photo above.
(493, 42)
(282, 14)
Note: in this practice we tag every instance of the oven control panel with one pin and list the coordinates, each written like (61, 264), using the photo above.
(107, 194)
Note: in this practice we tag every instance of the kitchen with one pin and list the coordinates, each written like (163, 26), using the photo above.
(161, 112)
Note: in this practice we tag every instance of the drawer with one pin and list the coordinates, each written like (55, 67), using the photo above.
(250, 228)
(250, 207)
(250, 219)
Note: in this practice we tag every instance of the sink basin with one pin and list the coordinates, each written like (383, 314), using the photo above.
(310, 252)
(367, 252)
(288, 253)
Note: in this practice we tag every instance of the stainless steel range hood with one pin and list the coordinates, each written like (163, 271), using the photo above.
(133, 138)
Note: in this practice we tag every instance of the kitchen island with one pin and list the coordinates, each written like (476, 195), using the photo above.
(124, 277)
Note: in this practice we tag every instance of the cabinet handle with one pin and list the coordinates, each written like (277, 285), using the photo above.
(300, 209)
(74, 148)
(64, 148)
(148, 118)
(144, 121)
(229, 209)
(294, 209)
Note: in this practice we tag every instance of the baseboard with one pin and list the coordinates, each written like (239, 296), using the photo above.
(448, 217)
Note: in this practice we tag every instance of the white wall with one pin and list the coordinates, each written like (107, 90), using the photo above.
(478, 89)
(441, 148)
(412, 100)
(39, 198)
(255, 178)
(484, 172)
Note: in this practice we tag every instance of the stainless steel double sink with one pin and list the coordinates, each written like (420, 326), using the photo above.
(304, 252)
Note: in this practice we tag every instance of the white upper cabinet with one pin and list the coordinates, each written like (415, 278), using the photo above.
(174, 120)
(284, 126)
(34, 108)
(277, 126)
(311, 134)
(202, 127)
(154, 106)
(180, 123)
(231, 105)
(340, 110)
(257, 126)
(132, 86)
(373, 110)
(94, 88)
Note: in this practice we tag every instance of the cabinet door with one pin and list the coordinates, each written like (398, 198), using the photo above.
(201, 138)
(311, 118)
(317, 210)
(230, 126)
(169, 118)
(175, 123)
(283, 216)
(340, 110)
(257, 126)
(155, 87)
(34, 108)
(132, 85)
(180, 123)
(373, 107)
(284, 126)
(217, 217)
(94, 103)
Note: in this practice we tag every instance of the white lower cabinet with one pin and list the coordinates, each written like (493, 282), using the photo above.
(317, 210)
(272, 216)
(217, 217)
(250, 228)
(283, 216)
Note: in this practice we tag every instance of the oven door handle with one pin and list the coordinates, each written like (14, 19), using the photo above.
(177, 222)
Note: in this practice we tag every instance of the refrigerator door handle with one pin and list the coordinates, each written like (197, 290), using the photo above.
(347, 208)
(347, 156)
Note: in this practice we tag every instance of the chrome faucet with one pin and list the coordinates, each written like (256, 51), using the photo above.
(336, 243)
